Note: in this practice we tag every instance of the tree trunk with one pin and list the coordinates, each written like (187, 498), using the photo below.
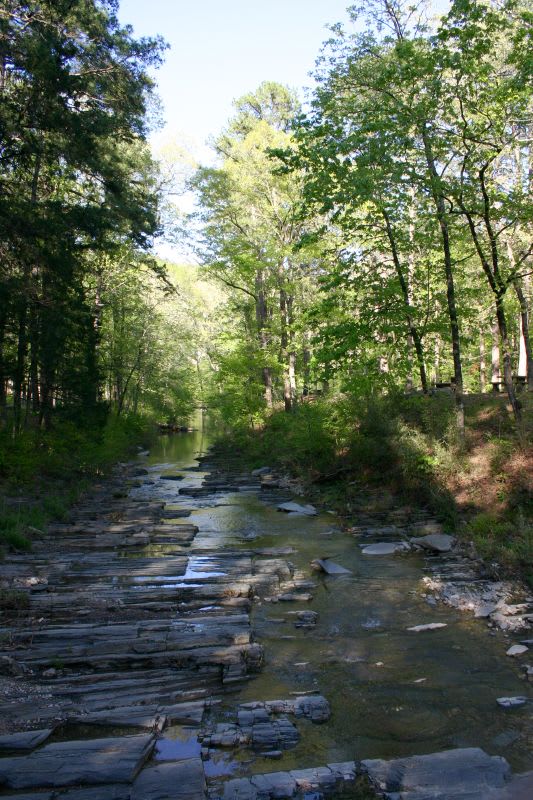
(261, 317)
(292, 352)
(284, 341)
(440, 207)
(413, 330)
(46, 399)
(507, 362)
(495, 358)
(482, 363)
(307, 365)
(20, 365)
(525, 341)
(491, 269)
(436, 361)
(3, 377)
(34, 360)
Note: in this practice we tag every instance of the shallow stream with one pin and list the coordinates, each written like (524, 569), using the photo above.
(392, 692)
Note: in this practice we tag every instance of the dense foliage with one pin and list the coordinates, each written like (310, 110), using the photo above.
(79, 209)
(368, 246)
(380, 240)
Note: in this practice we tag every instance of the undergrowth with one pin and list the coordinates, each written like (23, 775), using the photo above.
(407, 446)
(43, 472)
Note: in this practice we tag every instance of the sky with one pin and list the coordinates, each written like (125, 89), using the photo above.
(222, 49)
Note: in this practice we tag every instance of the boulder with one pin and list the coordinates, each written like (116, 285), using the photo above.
(92, 761)
(511, 702)
(179, 780)
(25, 740)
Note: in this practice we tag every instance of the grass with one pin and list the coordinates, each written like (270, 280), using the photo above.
(43, 473)
(13, 600)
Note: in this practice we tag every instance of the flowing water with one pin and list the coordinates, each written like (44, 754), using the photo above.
(392, 692)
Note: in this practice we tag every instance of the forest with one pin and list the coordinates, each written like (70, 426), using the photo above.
(366, 248)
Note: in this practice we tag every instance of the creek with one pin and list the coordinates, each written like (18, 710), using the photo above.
(177, 604)
(392, 692)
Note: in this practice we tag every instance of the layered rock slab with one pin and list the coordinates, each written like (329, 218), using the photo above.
(462, 774)
(179, 780)
(93, 761)
(298, 782)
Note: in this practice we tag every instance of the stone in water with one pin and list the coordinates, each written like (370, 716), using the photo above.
(296, 508)
(511, 702)
(384, 548)
(329, 567)
(517, 650)
(431, 626)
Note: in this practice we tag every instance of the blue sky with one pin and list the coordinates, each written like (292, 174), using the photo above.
(221, 49)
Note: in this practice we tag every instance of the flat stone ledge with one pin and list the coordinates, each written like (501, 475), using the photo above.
(85, 762)
(26, 740)
(180, 780)
(462, 774)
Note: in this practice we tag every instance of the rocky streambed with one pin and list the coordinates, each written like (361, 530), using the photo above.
(181, 637)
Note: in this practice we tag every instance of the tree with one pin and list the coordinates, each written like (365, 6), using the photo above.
(75, 180)
(251, 229)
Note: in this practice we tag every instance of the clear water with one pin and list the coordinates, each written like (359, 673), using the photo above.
(392, 692)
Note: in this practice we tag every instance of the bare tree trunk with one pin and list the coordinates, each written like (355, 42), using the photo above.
(3, 395)
(34, 362)
(292, 352)
(491, 268)
(24, 310)
(20, 365)
(409, 379)
(436, 361)
(507, 362)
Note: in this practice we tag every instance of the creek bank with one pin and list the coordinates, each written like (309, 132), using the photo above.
(458, 577)
(147, 638)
